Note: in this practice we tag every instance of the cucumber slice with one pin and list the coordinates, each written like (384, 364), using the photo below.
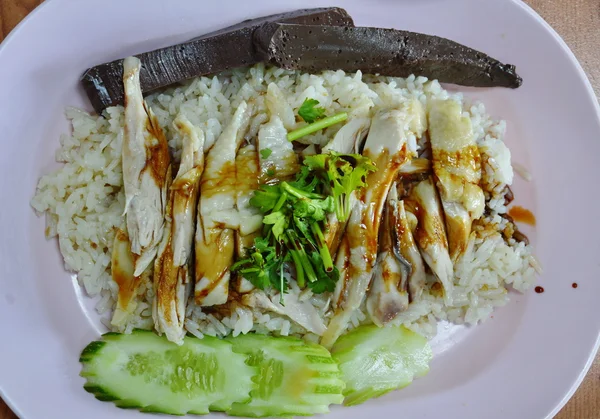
(376, 360)
(147, 372)
(294, 378)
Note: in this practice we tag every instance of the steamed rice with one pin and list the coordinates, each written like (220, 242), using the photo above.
(83, 201)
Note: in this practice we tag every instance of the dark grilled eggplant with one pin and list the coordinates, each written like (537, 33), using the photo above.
(217, 51)
(388, 52)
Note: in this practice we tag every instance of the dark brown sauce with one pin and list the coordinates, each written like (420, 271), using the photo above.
(122, 271)
(166, 277)
(431, 229)
(333, 236)
(247, 169)
(539, 289)
(344, 247)
(379, 183)
(467, 157)
(186, 184)
(523, 215)
(213, 260)
(508, 196)
(185, 193)
(223, 182)
(574, 285)
(157, 151)
(437, 290)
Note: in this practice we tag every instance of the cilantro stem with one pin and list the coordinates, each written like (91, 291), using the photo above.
(240, 263)
(317, 126)
(301, 227)
(280, 202)
(298, 193)
(299, 270)
(322, 245)
(340, 209)
(347, 202)
(294, 242)
(281, 284)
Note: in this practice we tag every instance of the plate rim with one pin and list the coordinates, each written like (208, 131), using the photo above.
(591, 96)
(596, 104)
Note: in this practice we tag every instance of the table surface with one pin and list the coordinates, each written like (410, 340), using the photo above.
(578, 22)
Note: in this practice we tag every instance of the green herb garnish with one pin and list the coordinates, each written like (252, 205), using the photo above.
(343, 173)
(317, 126)
(265, 153)
(295, 215)
(309, 112)
(262, 265)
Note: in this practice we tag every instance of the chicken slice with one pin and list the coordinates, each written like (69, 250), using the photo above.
(409, 251)
(301, 312)
(247, 175)
(415, 167)
(247, 181)
(278, 160)
(122, 267)
(390, 143)
(457, 169)
(430, 233)
(278, 106)
(145, 164)
(217, 215)
(172, 277)
(399, 276)
(185, 189)
(349, 139)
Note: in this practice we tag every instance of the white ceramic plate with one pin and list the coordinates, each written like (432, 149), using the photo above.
(524, 363)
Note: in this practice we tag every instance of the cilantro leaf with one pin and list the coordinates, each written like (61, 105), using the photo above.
(266, 197)
(325, 280)
(255, 269)
(309, 112)
(293, 215)
(343, 173)
(262, 244)
(305, 180)
(314, 209)
(262, 268)
(265, 153)
(303, 227)
(279, 222)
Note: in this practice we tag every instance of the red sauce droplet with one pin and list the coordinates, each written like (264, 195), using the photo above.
(522, 215)
(539, 289)
(574, 285)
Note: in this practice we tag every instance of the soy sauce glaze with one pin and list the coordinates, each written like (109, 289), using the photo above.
(523, 215)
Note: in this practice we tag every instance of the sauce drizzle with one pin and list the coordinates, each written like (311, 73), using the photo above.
(539, 289)
(522, 215)
(574, 285)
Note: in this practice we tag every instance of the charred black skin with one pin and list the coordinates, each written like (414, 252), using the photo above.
(387, 52)
(310, 40)
(217, 51)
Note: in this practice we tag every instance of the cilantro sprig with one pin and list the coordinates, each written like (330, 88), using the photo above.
(294, 218)
(265, 153)
(343, 173)
(310, 112)
(316, 119)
